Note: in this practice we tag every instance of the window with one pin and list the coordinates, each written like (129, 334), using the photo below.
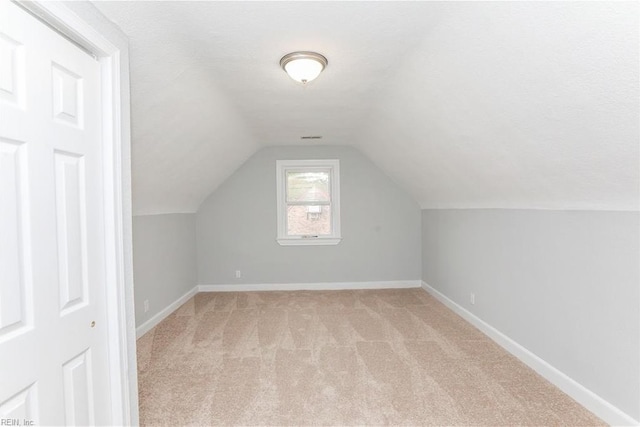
(308, 202)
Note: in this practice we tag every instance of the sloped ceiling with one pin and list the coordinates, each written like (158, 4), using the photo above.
(465, 104)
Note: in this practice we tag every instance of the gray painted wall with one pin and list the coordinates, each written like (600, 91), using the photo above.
(164, 260)
(564, 284)
(236, 226)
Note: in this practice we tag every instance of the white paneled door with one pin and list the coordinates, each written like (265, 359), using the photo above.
(53, 339)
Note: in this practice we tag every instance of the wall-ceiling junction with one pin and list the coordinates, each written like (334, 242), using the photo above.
(465, 104)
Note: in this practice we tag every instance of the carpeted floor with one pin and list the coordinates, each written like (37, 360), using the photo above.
(373, 357)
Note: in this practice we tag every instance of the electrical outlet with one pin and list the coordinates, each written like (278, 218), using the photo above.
(238, 274)
(472, 298)
(146, 305)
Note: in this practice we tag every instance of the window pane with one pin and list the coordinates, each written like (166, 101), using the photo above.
(308, 186)
(308, 220)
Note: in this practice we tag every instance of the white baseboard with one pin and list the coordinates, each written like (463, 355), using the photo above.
(328, 286)
(159, 317)
(594, 403)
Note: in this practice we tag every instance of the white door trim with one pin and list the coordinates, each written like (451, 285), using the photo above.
(112, 53)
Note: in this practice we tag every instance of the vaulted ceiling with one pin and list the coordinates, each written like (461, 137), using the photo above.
(464, 104)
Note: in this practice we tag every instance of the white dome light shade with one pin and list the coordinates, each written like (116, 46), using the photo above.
(303, 66)
(303, 70)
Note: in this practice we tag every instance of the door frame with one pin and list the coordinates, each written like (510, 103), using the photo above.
(85, 26)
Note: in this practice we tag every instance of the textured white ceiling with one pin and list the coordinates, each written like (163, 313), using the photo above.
(465, 104)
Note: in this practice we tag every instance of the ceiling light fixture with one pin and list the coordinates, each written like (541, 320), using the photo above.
(303, 66)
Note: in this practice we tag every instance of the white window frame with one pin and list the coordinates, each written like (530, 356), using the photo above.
(284, 166)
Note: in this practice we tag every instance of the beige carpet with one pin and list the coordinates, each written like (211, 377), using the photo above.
(383, 357)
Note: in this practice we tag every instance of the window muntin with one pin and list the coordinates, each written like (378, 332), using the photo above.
(308, 202)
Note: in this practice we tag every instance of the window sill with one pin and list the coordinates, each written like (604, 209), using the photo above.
(318, 241)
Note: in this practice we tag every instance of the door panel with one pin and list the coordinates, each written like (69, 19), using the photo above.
(78, 390)
(20, 406)
(11, 71)
(15, 310)
(67, 96)
(71, 225)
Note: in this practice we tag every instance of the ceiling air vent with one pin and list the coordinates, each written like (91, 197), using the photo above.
(311, 137)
